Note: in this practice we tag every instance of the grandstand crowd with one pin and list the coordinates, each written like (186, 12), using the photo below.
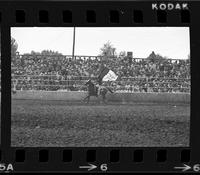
(54, 72)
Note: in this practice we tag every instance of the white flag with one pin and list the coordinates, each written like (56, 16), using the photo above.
(110, 76)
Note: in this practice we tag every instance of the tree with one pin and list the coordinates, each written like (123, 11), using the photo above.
(35, 53)
(160, 57)
(155, 57)
(14, 47)
(108, 50)
(50, 52)
(152, 56)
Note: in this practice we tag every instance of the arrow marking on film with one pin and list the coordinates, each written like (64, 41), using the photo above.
(184, 168)
(89, 167)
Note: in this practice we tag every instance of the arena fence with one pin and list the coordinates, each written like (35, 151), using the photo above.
(73, 96)
(75, 83)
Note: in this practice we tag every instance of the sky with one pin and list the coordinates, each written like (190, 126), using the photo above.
(172, 42)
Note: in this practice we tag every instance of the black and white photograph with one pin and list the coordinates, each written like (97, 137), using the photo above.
(100, 86)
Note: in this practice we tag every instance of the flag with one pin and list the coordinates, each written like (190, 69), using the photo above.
(107, 75)
(110, 76)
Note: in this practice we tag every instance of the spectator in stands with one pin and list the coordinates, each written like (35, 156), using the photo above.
(56, 72)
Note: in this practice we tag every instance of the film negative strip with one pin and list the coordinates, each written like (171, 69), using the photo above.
(100, 86)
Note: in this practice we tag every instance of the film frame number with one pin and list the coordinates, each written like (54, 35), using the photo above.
(196, 167)
(104, 167)
(6, 167)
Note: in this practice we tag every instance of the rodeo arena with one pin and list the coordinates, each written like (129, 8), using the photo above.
(95, 101)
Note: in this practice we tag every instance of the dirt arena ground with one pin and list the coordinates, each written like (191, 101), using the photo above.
(37, 123)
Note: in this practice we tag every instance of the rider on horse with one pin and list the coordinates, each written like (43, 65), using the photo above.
(96, 90)
(92, 90)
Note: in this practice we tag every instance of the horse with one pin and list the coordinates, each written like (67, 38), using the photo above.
(93, 90)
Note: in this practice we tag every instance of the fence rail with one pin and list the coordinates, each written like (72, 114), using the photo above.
(83, 81)
(35, 82)
(82, 56)
(83, 88)
(88, 77)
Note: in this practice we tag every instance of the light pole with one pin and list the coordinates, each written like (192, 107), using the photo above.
(73, 47)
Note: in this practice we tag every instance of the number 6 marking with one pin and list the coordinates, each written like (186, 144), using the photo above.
(103, 167)
(196, 167)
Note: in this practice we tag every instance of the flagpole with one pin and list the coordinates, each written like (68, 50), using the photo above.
(73, 47)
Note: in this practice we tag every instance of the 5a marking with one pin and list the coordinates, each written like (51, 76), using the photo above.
(6, 167)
